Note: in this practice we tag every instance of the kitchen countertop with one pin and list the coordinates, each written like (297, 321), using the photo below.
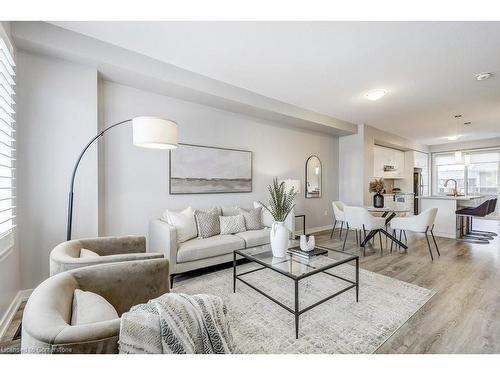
(451, 197)
(400, 193)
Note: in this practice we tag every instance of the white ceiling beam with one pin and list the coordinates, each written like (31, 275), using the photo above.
(130, 68)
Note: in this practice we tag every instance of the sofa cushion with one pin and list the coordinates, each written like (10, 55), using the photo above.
(207, 222)
(90, 307)
(183, 222)
(267, 218)
(201, 248)
(253, 218)
(232, 224)
(255, 237)
(230, 211)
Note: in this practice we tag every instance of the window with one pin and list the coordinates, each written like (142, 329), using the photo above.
(476, 172)
(7, 145)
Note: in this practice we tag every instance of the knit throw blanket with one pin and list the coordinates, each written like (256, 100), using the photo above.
(177, 323)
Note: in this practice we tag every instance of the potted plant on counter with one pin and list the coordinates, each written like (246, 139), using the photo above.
(280, 205)
(377, 187)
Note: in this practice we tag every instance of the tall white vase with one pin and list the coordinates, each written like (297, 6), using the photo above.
(279, 239)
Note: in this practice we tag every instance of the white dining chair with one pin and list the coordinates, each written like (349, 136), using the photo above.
(422, 223)
(338, 216)
(358, 218)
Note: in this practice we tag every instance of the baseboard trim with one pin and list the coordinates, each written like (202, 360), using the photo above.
(314, 230)
(20, 297)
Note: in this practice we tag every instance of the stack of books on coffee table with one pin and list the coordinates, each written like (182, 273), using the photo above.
(297, 251)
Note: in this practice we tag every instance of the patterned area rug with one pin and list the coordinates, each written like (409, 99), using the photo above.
(339, 325)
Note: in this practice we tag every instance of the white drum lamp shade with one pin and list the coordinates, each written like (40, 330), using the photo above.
(154, 132)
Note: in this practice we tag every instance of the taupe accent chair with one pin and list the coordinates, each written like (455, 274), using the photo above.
(46, 324)
(66, 256)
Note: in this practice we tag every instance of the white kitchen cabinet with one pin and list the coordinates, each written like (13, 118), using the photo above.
(385, 156)
(420, 160)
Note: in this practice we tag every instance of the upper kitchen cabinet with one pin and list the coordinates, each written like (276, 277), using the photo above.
(420, 160)
(388, 163)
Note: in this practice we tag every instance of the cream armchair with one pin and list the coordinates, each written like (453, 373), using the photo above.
(66, 256)
(46, 324)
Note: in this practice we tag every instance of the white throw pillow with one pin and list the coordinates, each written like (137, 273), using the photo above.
(267, 218)
(90, 307)
(85, 253)
(184, 222)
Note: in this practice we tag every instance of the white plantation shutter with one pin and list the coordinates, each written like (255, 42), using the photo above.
(7, 141)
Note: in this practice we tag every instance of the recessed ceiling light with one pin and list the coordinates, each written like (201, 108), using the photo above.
(483, 76)
(375, 94)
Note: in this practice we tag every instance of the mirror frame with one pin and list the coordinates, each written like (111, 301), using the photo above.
(321, 180)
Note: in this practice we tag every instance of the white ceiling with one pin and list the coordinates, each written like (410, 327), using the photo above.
(428, 68)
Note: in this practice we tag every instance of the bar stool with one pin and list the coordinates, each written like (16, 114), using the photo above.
(468, 213)
(491, 208)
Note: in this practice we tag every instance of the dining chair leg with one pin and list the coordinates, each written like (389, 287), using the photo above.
(428, 243)
(341, 227)
(357, 243)
(400, 233)
(345, 239)
(333, 229)
(392, 239)
(380, 240)
(406, 239)
(364, 240)
(435, 243)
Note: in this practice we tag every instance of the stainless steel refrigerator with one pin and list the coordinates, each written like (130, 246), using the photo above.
(418, 188)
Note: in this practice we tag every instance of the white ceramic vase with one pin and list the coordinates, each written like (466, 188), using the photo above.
(279, 239)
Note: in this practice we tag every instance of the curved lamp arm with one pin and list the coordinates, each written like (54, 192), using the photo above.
(70, 198)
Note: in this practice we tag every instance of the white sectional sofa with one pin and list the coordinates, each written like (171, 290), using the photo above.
(199, 253)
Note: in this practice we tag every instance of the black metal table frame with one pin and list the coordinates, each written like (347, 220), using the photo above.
(296, 311)
(374, 232)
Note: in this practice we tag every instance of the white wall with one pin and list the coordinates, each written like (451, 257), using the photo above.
(357, 158)
(9, 260)
(135, 180)
(57, 115)
(351, 168)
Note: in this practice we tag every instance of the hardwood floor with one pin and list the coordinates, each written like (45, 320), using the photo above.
(464, 314)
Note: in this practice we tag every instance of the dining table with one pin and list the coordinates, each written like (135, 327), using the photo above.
(388, 213)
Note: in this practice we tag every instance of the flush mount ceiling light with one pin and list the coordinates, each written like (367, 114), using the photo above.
(483, 76)
(375, 94)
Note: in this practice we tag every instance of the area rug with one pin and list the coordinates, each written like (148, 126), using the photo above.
(339, 325)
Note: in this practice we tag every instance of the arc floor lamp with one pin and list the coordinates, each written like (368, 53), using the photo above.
(148, 132)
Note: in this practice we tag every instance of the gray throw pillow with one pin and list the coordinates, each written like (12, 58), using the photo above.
(232, 224)
(207, 223)
(253, 218)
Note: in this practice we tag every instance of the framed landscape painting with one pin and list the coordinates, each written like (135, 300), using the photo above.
(204, 170)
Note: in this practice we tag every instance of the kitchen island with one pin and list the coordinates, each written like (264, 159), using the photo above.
(446, 222)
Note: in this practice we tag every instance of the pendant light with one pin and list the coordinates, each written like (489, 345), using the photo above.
(458, 153)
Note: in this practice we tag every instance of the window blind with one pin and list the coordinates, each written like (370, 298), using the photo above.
(7, 140)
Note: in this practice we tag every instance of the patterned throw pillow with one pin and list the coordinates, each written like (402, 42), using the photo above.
(207, 223)
(232, 224)
(253, 218)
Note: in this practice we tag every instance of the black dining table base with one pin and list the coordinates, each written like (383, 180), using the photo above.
(390, 236)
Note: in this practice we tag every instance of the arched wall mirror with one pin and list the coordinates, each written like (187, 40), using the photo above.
(313, 177)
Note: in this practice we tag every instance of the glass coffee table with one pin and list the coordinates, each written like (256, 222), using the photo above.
(297, 268)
